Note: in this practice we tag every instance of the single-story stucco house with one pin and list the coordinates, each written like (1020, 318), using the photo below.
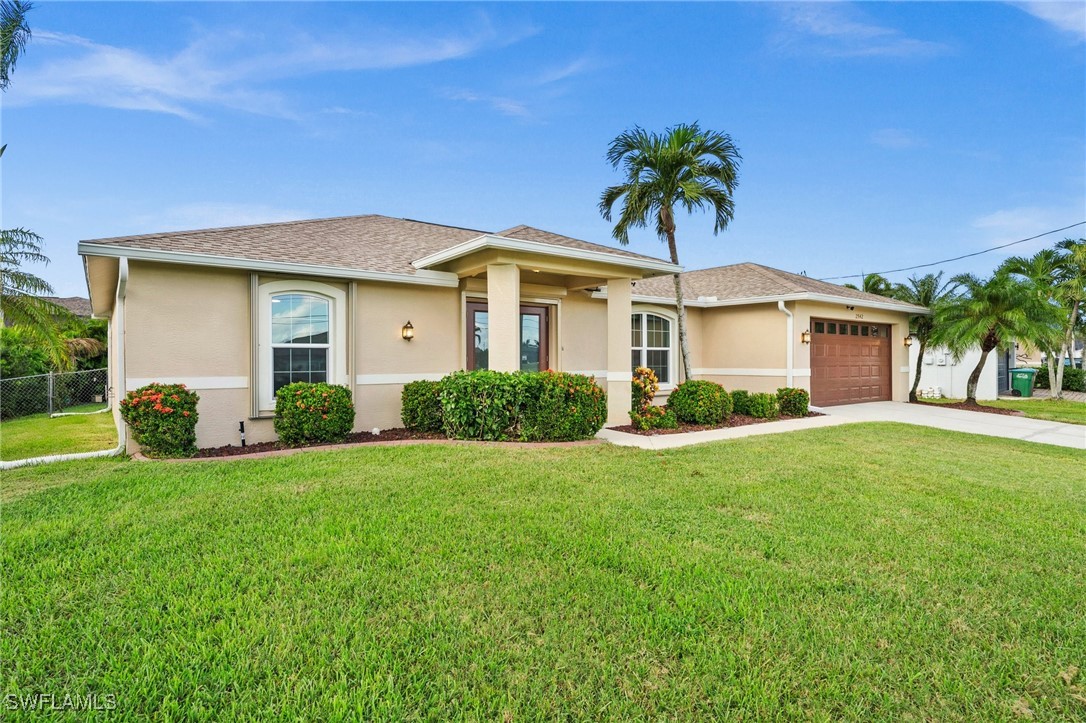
(374, 302)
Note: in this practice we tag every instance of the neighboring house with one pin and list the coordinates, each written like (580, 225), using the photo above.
(78, 305)
(949, 378)
(235, 313)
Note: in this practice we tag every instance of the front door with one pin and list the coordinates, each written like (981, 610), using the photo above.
(534, 333)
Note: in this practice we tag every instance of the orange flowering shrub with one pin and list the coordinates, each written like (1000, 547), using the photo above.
(162, 418)
(643, 389)
(313, 412)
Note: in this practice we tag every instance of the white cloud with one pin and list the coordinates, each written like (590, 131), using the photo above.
(227, 69)
(896, 139)
(835, 30)
(1069, 17)
(502, 104)
(575, 67)
(1012, 224)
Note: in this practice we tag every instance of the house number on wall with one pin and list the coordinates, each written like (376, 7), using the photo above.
(859, 316)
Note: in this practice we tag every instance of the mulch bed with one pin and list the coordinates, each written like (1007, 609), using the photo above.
(974, 408)
(736, 420)
(387, 435)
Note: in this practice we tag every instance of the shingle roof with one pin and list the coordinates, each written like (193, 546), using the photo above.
(365, 243)
(527, 233)
(745, 281)
(75, 304)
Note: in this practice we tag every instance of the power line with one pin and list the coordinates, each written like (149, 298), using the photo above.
(956, 258)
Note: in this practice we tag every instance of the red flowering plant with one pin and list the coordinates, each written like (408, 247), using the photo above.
(308, 412)
(162, 418)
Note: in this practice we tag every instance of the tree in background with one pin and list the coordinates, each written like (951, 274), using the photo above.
(931, 292)
(991, 313)
(1044, 273)
(682, 167)
(874, 284)
(1071, 294)
(14, 35)
(21, 292)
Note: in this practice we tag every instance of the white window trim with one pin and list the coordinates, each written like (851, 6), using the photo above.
(337, 327)
(673, 336)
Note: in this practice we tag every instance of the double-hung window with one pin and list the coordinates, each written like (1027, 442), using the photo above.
(302, 336)
(652, 338)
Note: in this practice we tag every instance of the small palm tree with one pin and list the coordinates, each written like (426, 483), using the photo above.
(21, 302)
(14, 34)
(1044, 272)
(875, 284)
(682, 167)
(991, 313)
(932, 293)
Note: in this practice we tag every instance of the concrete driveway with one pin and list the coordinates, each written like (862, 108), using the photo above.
(958, 420)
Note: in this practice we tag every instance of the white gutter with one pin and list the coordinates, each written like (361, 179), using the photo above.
(426, 278)
(790, 345)
(710, 303)
(118, 353)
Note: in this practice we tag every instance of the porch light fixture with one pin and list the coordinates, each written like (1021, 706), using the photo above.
(908, 339)
(407, 332)
(805, 336)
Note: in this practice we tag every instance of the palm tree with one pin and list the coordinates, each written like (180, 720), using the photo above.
(932, 293)
(21, 302)
(874, 284)
(1044, 272)
(1071, 292)
(683, 166)
(991, 313)
(14, 34)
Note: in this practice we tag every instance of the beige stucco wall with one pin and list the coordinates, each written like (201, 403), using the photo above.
(738, 339)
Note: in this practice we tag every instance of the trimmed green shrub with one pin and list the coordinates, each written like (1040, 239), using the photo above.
(420, 406)
(532, 406)
(561, 407)
(162, 418)
(654, 418)
(763, 405)
(698, 401)
(794, 402)
(741, 402)
(481, 404)
(307, 412)
(643, 389)
(1074, 379)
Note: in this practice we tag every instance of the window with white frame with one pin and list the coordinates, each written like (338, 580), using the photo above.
(652, 344)
(302, 336)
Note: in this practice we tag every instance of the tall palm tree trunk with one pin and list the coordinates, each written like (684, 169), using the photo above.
(684, 342)
(1068, 349)
(919, 369)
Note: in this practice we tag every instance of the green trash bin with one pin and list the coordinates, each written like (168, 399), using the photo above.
(1022, 382)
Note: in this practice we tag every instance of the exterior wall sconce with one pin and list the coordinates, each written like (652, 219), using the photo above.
(407, 332)
(805, 336)
(908, 339)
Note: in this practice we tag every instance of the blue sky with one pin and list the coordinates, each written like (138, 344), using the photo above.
(874, 135)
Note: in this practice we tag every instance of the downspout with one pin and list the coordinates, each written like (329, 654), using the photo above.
(790, 346)
(122, 430)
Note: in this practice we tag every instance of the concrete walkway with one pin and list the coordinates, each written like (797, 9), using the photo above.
(960, 420)
(956, 420)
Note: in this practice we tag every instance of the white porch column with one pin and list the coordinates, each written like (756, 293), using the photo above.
(619, 376)
(503, 309)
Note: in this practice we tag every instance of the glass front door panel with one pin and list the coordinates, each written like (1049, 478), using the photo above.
(534, 334)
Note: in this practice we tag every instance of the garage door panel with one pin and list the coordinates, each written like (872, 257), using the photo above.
(850, 366)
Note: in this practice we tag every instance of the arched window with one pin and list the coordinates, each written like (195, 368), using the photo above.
(299, 339)
(303, 336)
(652, 344)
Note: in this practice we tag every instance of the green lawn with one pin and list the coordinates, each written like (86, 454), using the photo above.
(860, 572)
(40, 435)
(1052, 410)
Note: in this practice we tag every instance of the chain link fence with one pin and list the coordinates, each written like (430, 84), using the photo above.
(83, 391)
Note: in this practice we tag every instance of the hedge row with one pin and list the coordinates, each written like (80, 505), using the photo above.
(530, 406)
(1074, 379)
(707, 403)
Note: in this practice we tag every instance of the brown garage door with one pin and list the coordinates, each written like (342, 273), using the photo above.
(850, 362)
